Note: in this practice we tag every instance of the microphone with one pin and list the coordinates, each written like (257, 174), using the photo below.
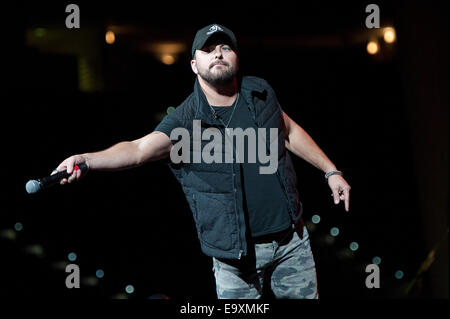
(34, 186)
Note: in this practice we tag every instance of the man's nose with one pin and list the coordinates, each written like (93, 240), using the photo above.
(218, 52)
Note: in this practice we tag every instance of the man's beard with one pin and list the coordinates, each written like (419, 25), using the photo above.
(223, 77)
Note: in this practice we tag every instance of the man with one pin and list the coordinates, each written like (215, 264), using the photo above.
(247, 220)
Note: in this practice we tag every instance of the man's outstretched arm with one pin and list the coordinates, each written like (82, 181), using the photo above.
(301, 144)
(123, 155)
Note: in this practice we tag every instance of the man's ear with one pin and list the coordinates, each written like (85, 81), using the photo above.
(194, 66)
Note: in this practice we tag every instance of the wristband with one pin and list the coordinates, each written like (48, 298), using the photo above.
(333, 173)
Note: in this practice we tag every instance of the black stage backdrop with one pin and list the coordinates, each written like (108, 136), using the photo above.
(382, 119)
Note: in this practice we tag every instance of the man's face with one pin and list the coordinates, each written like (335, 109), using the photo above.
(216, 63)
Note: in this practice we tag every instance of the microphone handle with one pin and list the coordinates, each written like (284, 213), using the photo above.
(56, 178)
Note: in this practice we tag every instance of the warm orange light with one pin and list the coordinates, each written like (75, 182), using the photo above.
(110, 37)
(167, 59)
(167, 52)
(389, 35)
(372, 47)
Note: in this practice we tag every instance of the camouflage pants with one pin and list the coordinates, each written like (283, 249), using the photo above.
(283, 269)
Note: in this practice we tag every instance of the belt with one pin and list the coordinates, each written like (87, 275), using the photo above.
(280, 237)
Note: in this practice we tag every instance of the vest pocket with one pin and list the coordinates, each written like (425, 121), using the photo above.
(213, 213)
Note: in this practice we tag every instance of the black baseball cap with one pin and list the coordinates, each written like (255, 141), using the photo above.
(204, 34)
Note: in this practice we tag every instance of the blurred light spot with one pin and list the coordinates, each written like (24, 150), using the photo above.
(90, 78)
(329, 239)
(399, 274)
(372, 47)
(344, 253)
(129, 289)
(170, 109)
(18, 226)
(316, 219)
(99, 273)
(110, 37)
(36, 250)
(60, 265)
(354, 246)
(39, 32)
(389, 35)
(8, 234)
(158, 296)
(310, 226)
(167, 48)
(72, 256)
(168, 59)
(167, 52)
(90, 281)
(120, 296)
(376, 260)
(334, 231)
(159, 116)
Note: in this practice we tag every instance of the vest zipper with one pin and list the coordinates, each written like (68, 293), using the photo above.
(234, 194)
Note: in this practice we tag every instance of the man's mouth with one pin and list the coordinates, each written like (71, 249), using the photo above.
(222, 64)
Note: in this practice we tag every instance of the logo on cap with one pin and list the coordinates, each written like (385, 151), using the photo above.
(213, 29)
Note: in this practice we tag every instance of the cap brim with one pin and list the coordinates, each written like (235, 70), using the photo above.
(219, 35)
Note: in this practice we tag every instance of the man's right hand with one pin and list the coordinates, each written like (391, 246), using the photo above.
(68, 165)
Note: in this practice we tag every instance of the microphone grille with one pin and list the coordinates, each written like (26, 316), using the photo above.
(32, 186)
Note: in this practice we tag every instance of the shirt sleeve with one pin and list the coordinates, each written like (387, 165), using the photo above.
(167, 124)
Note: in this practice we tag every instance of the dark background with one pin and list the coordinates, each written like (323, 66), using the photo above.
(382, 119)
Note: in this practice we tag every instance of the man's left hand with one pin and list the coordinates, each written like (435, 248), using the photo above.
(341, 190)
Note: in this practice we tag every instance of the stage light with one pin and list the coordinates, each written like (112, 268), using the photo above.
(110, 37)
(389, 35)
(372, 47)
(18, 226)
(354, 246)
(167, 59)
(99, 273)
(167, 52)
(72, 256)
(376, 260)
(315, 219)
(334, 231)
(399, 274)
(129, 289)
